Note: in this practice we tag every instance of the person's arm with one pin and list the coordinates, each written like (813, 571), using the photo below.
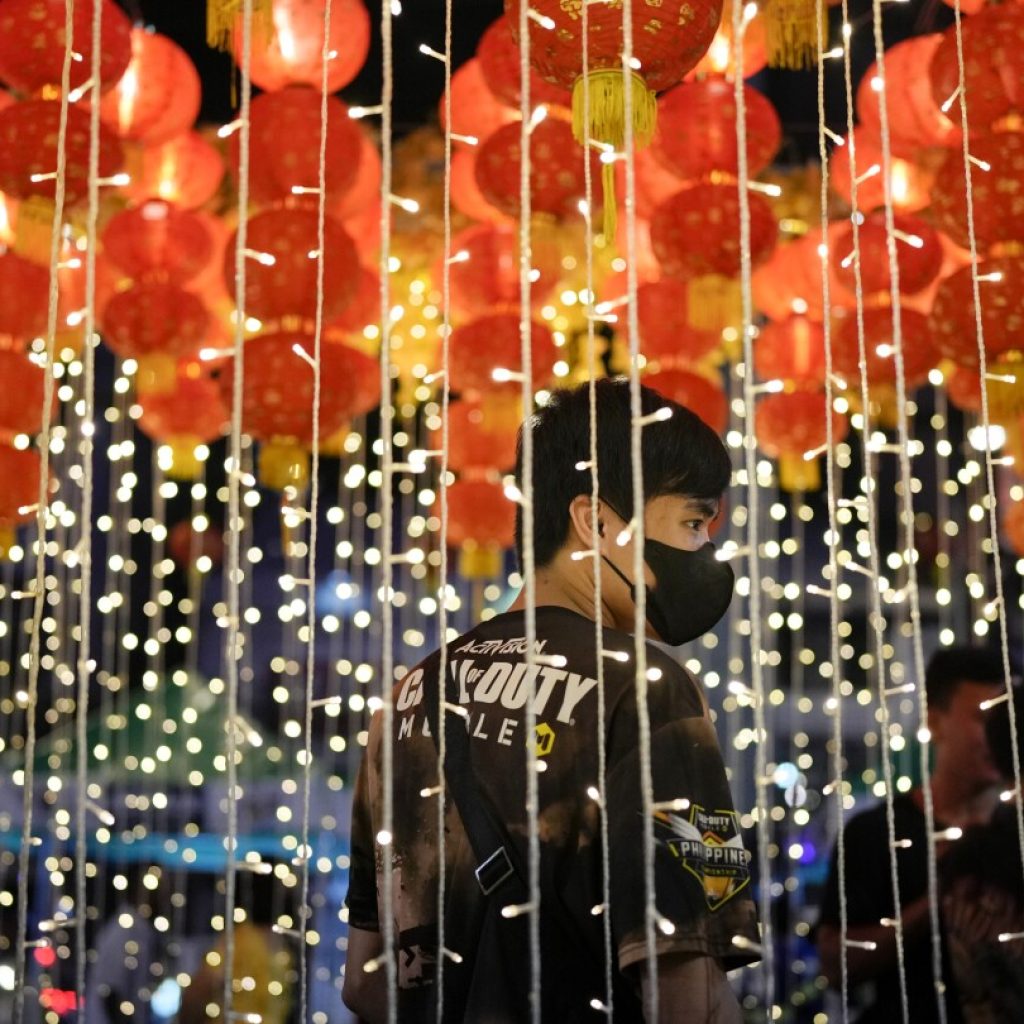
(864, 964)
(365, 993)
(691, 988)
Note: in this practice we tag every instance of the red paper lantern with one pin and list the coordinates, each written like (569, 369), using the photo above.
(277, 390)
(24, 288)
(478, 348)
(364, 306)
(697, 129)
(498, 53)
(919, 352)
(480, 515)
(695, 392)
(21, 397)
(466, 195)
(556, 169)
(993, 53)
(665, 332)
(964, 389)
(916, 121)
(918, 249)
(654, 183)
(191, 413)
(788, 425)
(19, 490)
(159, 95)
(186, 171)
(185, 544)
(487, 278)
(284, 145)
(792, 350)
(1002, 312)
(32, 44)
(721, 56)
(998, 192)
(155, 323)
(282, 280)
(482, 435)
(476, 111)
(157, 240)
(668, 39)
(1013, 525)
(697, 230)
(28, 148)
(911, 182)
(292, 53)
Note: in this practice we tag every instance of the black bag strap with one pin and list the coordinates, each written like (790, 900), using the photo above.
(498, 870)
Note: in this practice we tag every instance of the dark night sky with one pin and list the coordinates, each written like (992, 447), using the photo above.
(419, 80)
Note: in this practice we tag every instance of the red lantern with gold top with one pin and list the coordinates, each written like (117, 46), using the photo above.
(157, 240)
(28, 151)
(993, 57)
(191, 413)
(916, 121)
(790, 425)
(997, 184)
(918, 249)
(791, 350)
(281, 276)
(694, 391)
(484, 271)
(697, 231)
(919, 352)
(21, 397)
(665, 332)
(556, 169)
(159, 95)
(476, 111)
(697, 129)
(1002, 312)
(32, 43)
(186, 171)
(155, 323)
(284, 145)
(490, 343)
(482, 434)
(481, 521)
(277, 398)
(24, 288)
(291, 53)
(498, 54)
(19, 491)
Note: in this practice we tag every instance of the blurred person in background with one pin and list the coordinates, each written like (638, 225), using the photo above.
(966, 784)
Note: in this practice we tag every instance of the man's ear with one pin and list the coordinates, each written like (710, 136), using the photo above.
(581, 521)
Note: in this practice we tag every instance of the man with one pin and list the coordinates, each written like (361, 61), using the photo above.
(965, 790)
(702, 874)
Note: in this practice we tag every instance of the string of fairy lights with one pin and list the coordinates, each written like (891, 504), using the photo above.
(404, 601)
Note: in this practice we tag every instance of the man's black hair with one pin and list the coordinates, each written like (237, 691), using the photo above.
(681, 455)
(951, 666)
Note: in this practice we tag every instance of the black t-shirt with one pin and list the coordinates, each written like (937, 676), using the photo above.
(702, 880)
(869, 898)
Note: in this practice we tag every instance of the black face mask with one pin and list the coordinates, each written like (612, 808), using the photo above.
(692, 590)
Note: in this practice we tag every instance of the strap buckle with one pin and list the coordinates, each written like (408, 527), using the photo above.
(494, 871)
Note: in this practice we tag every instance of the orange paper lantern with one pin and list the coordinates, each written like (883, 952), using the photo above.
(665, 331)
(911, 183)
(24, 288)
(788, 426)
(186, 171)
(482, 434)
(919, 352)
(476, 111)
(499, 54)
(721, 56)
(695, 392)
(292, 52)
(480, 515)
(159, 95)
(478, 348)
(791, 350)
(21, 395)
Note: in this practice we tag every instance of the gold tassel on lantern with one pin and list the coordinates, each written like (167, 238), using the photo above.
(607, 124)
(283, 463)
(791, 27)
(479, 561)
(797, 474)
(713, 303)
(223, 15)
